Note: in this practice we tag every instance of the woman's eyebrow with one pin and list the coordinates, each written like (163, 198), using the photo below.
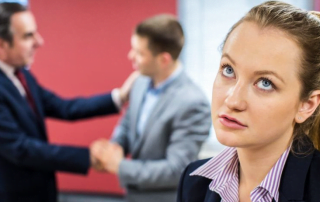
(229, 57)
(263, 72)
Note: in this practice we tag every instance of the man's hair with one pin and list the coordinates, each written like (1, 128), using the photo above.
(164, 33)
(6, 11)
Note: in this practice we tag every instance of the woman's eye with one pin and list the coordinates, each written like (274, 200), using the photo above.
(265, 84)
(228, 71)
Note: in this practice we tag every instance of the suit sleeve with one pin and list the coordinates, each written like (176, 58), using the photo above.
(23, 150)
(189, 129)
(77, 108)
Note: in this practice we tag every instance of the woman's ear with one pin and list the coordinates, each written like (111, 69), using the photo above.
(307, 107)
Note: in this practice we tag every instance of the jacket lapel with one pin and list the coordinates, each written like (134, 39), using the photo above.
(136, 103)
(212, 196)
(35, 96)
(295, 172)
(40, 117)
(7, 83)
(163, 101)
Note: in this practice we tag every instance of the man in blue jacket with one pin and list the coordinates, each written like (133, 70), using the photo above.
(27, 160)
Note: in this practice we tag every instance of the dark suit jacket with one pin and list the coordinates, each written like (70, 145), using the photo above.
(300, 180)
(27, 161)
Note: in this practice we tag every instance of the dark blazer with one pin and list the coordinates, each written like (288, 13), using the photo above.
(300, 180)
(27, 161)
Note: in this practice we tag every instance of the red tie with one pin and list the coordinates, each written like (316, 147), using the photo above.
(23, 81)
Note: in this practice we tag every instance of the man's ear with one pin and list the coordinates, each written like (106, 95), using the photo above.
(307, 107)
(165, 59)
(4, 45)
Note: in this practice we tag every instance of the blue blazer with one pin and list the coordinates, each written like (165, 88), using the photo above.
(300, 180)
(27, 161)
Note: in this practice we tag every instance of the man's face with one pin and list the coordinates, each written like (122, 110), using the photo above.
(142, 57)
(25, 40)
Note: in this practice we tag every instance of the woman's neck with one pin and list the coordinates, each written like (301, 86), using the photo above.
(255, 164)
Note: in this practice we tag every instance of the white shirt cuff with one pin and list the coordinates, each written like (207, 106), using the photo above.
(115, 94)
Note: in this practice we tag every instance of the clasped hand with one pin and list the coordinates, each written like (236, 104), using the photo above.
(106, 156)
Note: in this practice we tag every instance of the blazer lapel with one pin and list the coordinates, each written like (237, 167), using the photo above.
(136, 103)
(163, 101)
(12, 89)
(40, 116)
(35, 96)
(212, 196)
(5, 81)
(295, 172)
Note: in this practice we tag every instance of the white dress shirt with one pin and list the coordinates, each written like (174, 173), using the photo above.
(9, 72)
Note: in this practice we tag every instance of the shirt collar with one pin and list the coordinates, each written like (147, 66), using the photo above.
(217, 164)
(272, 180)
(164, 84)
(7, 69)
(223, 171)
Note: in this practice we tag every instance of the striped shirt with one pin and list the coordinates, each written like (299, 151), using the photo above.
(223, 170)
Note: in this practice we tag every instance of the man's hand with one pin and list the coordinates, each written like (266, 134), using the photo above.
(96, 154)
(106, 156)
(126, 87)
(114, 155)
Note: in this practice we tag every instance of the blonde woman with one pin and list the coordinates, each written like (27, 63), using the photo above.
(265, 109)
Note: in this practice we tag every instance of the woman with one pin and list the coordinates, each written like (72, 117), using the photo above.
(265, 109)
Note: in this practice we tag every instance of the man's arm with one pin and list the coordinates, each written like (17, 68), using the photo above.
(110, 153)
(121, 132)
(120, 137)
(79, 108)
(21, 149)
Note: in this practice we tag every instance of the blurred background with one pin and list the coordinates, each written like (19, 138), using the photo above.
(92, 38)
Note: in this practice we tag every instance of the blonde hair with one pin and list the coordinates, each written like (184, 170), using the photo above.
(304, 28)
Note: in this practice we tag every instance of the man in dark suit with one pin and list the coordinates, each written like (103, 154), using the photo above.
(27, 160)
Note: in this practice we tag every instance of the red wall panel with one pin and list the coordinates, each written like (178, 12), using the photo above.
(85, 53)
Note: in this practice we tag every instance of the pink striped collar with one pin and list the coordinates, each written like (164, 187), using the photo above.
(223, 170)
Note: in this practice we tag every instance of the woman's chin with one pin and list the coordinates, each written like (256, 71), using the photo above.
(227, 138)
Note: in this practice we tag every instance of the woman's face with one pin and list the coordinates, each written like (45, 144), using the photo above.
(255, 96)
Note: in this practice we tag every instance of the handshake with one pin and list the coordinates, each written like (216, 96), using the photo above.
(106, 156)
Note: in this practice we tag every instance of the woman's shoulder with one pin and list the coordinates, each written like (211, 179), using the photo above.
(313, 177)
(312, 181)
(194, 181)
(193, 187)
(315, 162)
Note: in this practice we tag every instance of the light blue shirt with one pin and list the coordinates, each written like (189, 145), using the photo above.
(151, 98)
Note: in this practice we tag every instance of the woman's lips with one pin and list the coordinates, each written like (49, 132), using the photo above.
(231, 122)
